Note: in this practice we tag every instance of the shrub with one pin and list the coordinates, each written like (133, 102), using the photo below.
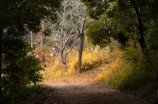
(23, 95)
(18, 69)
(47, 32)
(128, 69)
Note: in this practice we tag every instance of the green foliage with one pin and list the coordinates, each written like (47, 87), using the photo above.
(128, 19)
(47, 32)
(102, 30)
(96, 8)
(22, 95)
(121, 37)
(156, 97)
(16, 13)
(17, 18)
(18, 68)
(99, 32)
(129, 69)
(124, 18)
(135, 73)
(152, 40)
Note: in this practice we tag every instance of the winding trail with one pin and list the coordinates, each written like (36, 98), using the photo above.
(86, 93)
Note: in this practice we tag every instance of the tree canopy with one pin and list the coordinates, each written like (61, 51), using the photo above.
(17, 18)
(132, 18)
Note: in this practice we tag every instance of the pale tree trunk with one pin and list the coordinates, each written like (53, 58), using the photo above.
(41, 39)
(31, 39)
(42, 33)
(61, 51)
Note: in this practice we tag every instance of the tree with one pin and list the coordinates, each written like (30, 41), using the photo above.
(126, 16)
(77, 18)
(16, 17)
(70, 28)
(81, 33)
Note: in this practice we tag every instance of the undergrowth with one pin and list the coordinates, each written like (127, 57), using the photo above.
(128, 69)
(92, 57)
(122, 67)
(22, 95)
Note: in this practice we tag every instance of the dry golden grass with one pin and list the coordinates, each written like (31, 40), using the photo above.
(113, 68)
(92, 58)
(105, 66)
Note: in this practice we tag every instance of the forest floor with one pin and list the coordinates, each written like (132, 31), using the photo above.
(81, 90)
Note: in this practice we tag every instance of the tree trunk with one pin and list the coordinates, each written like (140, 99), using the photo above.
(41, 39)
(80, 54)
(62, 57)
(1, 32)
(35, 84)
(63, 48)
(141, 39)
(42, 32)
(81, 34)
(31, 39)
(61, 52)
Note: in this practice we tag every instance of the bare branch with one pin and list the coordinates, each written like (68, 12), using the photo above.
(85, 15)
(72, 46)
(67, 39)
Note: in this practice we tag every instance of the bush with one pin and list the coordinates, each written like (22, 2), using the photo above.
(47, 32)
(128, 69)
(23, 94)
(18, 69)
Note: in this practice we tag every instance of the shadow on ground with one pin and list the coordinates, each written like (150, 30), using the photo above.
(85, 93)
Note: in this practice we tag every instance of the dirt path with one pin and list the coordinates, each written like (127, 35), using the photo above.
(85, 93)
